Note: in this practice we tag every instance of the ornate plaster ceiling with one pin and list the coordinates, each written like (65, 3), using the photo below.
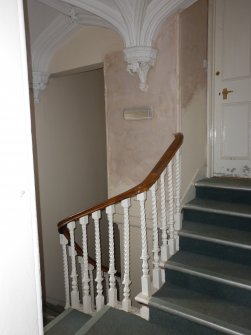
(137, 21)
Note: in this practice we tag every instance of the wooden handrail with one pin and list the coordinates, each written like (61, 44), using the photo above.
(142, 187)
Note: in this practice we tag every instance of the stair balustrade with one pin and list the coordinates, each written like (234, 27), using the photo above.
(88, 278)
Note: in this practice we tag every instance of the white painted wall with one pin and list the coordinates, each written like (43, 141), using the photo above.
(86, 46)
(71, 155)
(20, 303)
(193, 95)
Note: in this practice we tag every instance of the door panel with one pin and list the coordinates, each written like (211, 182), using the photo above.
(235, 132)
(232, 88)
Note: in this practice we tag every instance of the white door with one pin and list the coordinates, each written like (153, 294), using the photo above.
(232, 88)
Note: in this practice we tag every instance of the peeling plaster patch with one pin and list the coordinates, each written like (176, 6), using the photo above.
(245, 171)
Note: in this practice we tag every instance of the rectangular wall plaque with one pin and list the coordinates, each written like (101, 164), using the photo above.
(138, 113)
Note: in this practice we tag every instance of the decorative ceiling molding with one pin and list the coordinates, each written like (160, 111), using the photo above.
(39, 83)
(43, 48)
(140, 60)
(50, 38)
(137, 22)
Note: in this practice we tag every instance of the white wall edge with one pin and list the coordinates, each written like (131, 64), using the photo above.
(210, 89)
(31, 174)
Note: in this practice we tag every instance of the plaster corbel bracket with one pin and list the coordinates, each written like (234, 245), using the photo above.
(140, 60)
(39, 83)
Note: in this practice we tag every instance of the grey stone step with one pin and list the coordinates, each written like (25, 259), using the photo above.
(243, 184)
(211, 268)
(67, 323)
(220, 207)
(110, 321)
(203, 309)
(217, 234)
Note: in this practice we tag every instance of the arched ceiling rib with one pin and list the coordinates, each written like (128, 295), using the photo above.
(137, 21)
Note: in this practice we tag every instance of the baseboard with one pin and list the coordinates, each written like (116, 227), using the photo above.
(189, 193)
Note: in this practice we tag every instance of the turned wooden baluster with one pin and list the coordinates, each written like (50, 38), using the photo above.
(112, 282)
(145, 278)
(156, 249)
(74, 277)
(170, 198)
(64, 242)
(85, 276)
(99, 297)
(177, 212)
(126, 302)
(164, 246)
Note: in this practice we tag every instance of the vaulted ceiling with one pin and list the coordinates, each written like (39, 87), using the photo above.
(137, 22)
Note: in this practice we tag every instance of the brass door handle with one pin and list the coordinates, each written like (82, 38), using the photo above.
(225, 92)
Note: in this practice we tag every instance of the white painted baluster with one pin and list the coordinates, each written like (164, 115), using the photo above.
(91, 269)
(85, 276)
(170, 209)
(177, 212)
(112, 289)
(64, 242)
(156, 249)
(74, 277)
(164, 247)
(145, 279)
(99, 297)
(126, 302)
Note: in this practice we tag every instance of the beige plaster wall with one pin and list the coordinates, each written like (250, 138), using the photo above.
(177, 92)
(135, 146)
(84, 47)
(193, 94)
(71, 152)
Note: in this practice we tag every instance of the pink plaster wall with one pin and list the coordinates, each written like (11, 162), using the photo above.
(135, 146)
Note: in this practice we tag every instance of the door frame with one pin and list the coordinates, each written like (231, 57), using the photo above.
(210, 89)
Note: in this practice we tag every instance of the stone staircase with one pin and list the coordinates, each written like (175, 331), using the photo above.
(208, 281)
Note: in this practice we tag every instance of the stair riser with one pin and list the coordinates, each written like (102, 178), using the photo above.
(226, 195)
(179, 325)
(213, 288)
(225, 252)
(222, 220)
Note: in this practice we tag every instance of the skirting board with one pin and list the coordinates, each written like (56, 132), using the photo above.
(189, 193)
